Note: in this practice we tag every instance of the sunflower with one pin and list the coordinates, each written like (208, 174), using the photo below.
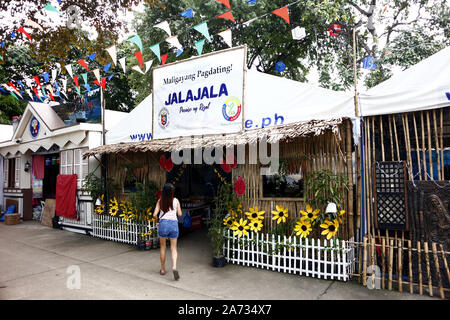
(239, 208)
(340, 214)
(114, 207)
(309, 214)
(254, 214)
(100, 209)
(228, 221)
(255, 225)
(331, 227)
(240, 228)
(303, 228)
(280, 214)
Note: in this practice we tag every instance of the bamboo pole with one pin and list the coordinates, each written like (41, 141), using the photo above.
(368, 166)
(382, 139)
(438, 270)
(419, 258)
(444, 258)
(423, 146)
(390, 135)
(417, 147)
(430, 151)
(408, 144)
(391, 260)
(399, 266)
(410, 275)
(427, 261)
(383, 262)
(396, 137)
(364, 279)
(350, 180)
(442, 141)
(436, 137)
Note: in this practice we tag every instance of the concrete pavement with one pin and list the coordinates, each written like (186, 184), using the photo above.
(34, 261)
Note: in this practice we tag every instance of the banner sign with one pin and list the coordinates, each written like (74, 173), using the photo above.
(200, 96)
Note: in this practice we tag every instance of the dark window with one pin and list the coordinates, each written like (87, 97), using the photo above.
(283, 186)
(12, 173)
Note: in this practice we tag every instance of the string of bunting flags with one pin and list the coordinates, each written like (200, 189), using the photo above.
(298, 33)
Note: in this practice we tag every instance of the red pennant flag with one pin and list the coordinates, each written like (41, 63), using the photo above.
(164, 59)
(83, 64)
(225, 3)
(36, 92)
(227, 15)
(36, 78)
(13, 86)
(75, 79)
(139, 58)
(22, 30)
(331, 33)
(102, 83)
(283, 13)
(336, 27)
(51, 96)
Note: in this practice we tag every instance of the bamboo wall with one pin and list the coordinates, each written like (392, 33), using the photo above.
(411, 137)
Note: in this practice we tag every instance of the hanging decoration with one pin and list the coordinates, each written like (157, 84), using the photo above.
(156, 50)
(96, 74)
(283, 13)
(92, 56)
(137, 41)
(122, 62)
(239, 186)
(106, 67)
(22, 30)
(369, 63)
(250, 2)
(203, 29)
(75, 79)
(83, 63)
(85, 77)
(164, 58)
(188, 13)
(113, 53)
(32, 24)
(280, 66)
(227, 37)
(227, 15)
(101, 83)
(179, 52)
(46, 76)
(138, 56)
(54, 74)
(164, 26)
(298, 33)
(174, 42)
(225, 3)
(36, 78)
(69, 69)
(51, 8)
(199, 46)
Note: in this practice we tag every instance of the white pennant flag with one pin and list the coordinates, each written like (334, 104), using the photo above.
(29, 93)
(227, 37)
(174, 42)
(64, 82)
(137, 68)
(165, 26)
(96, 74)
(298, 33)
(29, 83)
(31, 23)
(69, 70)
(122, 62)
(113, 53)
(148, 65)
(49, 88)
(54, 74)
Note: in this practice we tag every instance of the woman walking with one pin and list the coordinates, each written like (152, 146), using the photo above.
(168, 207)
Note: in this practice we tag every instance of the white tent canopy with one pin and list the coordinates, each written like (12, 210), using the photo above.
(269, 101)
(421, 87)
(135, 126)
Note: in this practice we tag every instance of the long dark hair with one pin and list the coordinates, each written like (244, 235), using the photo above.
(167, 197)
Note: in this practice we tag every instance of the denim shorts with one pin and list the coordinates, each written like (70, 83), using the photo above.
(168, 229)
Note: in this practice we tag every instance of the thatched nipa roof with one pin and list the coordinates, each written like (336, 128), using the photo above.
(273, 135)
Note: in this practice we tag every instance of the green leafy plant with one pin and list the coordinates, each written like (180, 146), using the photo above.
(322, 187)
(94, 185)
(143, 202)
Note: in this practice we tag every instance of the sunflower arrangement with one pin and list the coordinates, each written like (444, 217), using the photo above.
(113, 207)
(100, 209)
(310, 214)
(228, 221)
(255, 225)
(330, 228)
(303, 228)
(146, 234)
(280, 214)
(255, 214)
(240, 228)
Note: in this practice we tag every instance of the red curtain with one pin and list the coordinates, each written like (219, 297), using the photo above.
(66, 194)
(38, 167)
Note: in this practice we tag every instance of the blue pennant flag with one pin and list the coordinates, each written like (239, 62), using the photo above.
(369, 63)
(109, 78)
(180, 52)
(3, 90)
(280, 66)
(46, 76)
(251, 1)
(21, 84)
(188, 13)
(106, 67)
(88, 88)
(13, 35)
(92, 56)
(56, 85)
(3, 44)
(448, 95)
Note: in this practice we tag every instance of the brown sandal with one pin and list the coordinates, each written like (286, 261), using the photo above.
(175, 274)
(162, 272)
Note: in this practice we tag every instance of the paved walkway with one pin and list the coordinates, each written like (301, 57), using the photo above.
(34, 261)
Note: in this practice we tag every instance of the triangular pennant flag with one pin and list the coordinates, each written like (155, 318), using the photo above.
(138, 56)
(148, 65)
(22, 30)
(136, 68)
(92, 56)
(137, 41)
(96, 74)
(1, 57)
(225, 3)
(15, 89)
(156, 50)
(110, 77)
(298, 33)
(50, 89)
(54, 74)
(51, 8)
(203, 29)
(188, 13)
(283, 13)
(32, 24)
(29, 93)
(174, 42)
(2, 44)
(199, 46)
(36, 78)
(83, 64)
(164, 58)
(12, 93)
(122, 62)
(78, 91)
(85, 77)
(13, 35)
(46, 76)
(64, 82)
(106, 67)
(75, 79)
(88, 88)
(165, 26)
(113, 53)
(227, 37)
(227, 15)
(250, 2)
(69, 69)
(21, 84)
(179, 52)
(101, 83)
(336, 27)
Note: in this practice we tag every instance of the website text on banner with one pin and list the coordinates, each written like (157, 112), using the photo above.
(199, 96)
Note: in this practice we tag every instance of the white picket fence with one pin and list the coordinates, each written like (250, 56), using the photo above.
(117, 229)
(309, 257)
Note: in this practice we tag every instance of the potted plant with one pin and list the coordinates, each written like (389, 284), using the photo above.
(216, 235)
